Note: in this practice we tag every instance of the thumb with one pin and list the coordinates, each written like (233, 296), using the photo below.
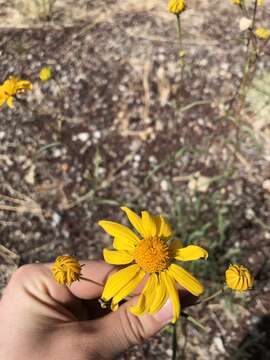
(122, 329)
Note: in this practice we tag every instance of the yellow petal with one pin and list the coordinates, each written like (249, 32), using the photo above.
(119, 280)
(240, 283)
(122, 233)
(164, 229)
(191, 252)
(126, 290)
(121, 245)
(141, 306)
(9, 86)
(161, 297)
(117, 257)
(10, 101)
(135, 221)
(150, 293)
(24, 85)
(149, 224)
(249, 279)
(3, 99)
(185, 279)
(173, 293)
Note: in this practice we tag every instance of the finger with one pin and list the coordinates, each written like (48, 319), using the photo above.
(94, 270)
(122, 329)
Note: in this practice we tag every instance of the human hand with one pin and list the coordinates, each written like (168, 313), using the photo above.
(40, 319)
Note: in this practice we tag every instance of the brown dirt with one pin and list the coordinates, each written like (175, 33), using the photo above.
(109, 126)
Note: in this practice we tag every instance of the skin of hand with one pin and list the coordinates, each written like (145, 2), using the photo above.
(40, 319)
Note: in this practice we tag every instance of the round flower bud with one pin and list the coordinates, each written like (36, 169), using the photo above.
(262, 33)
(45, 73)
(66, 269)
(238, 278)
(176, 6)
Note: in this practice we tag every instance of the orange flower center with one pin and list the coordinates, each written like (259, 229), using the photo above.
(152, 255)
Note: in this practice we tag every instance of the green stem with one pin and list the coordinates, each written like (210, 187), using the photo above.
(217, 293)
(92, 281)
(179, 31)
(182, 62)
(194, 321)
(250, 59)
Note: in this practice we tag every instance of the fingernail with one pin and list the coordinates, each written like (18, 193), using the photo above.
(165, 315)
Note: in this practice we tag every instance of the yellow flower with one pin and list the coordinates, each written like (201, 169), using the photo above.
(176, 6)
(66, 269)
(45, 73)
(262, 33)
(13, 86)
(236, 2)
(148, 256)
(260, 2)
(238, 278)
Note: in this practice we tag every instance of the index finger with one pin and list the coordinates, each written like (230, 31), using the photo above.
(95, 270)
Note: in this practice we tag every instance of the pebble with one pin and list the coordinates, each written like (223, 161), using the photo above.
(249, 214)
(97, 134)
(137, 158)
(164, 185)
(56, 218)
(57, 153)
(83, 136)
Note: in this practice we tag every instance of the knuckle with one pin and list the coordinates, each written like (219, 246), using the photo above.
(133, 328)
(23, 272)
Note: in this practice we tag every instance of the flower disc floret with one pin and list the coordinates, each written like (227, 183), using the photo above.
(152, 255)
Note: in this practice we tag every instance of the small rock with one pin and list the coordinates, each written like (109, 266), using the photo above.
(249, 214)
(30, 176)
(56, 218)
(83, 136)
(97, 134)
(137, 157)
(57, 153)
(164, 185)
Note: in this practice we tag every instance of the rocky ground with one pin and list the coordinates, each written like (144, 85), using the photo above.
(118, 125)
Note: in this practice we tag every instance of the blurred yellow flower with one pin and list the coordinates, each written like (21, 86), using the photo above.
(262, 33)
(45, 73)
(148, 256)
(238, 278)
(236, 2)
(260, 2)
(11, 87)
(176, 6)
(66, 269)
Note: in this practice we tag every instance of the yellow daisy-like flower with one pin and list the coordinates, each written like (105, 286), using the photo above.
(238, 278)
(262, 33)
(176, 6)
(66, 269)
(45, 73)
(149, 257)
(11, 87)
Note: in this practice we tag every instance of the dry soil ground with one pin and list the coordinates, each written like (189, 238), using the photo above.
(117, 125)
